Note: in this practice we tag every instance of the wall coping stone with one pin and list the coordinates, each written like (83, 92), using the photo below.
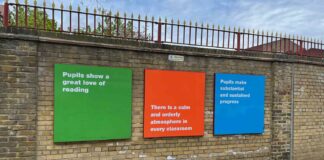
(133, 45)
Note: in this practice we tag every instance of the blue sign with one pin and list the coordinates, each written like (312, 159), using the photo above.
(239, 104)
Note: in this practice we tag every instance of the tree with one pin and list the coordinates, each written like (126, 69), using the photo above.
(115, 27)
(109, 28)
(40, 16)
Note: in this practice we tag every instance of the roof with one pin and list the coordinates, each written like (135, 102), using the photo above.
(282, 45)
(314, 52)
(287, 46)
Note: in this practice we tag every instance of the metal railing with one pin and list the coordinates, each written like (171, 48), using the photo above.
(154, 30)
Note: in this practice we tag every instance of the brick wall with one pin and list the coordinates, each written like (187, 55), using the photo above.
(281, 110)
(27, 70)
(309, 112)
(256, 146)
(18, 98)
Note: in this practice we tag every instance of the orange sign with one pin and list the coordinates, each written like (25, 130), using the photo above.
(174, 103)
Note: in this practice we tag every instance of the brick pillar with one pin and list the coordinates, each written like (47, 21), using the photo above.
(281, 111)
(17, 99)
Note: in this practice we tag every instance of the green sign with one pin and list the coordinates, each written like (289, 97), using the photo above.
(92, 103)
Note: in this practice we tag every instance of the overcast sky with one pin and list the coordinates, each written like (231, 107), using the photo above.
(299, 17)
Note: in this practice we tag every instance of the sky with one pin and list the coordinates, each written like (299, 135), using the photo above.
(295, 17)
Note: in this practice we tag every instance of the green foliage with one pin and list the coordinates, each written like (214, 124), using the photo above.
(116, 28)
(112, 26)
(112, 31)
(30, 19)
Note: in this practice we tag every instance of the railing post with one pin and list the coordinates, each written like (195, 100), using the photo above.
(301, 48)
(238, 41)
(6, 15)
(159, 32)
(35, 15)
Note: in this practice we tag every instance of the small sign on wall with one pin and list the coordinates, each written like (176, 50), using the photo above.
(92, 103)
(174, 103)
(239, 104)
(176, 58)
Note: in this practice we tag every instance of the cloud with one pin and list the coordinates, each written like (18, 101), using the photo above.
(294, 17)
